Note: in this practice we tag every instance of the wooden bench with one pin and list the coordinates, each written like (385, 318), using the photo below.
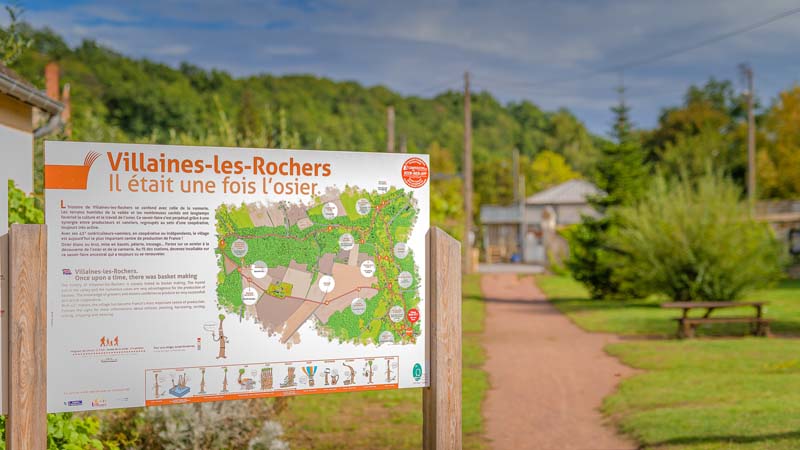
(759, 326)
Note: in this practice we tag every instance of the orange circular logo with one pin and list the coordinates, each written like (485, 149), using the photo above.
(415, 172)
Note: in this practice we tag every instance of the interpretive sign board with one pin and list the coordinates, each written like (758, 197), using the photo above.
(189, 274)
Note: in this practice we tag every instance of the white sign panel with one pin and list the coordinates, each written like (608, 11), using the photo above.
(191, 274)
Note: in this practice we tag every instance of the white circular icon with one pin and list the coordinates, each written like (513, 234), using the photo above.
(259, 269)
(239, 248)
(397, 313)
(346, 241)
(368, 268)
(326, 283)
(405, 279)
(358, 306)
(330, 210)
(386, 337)
(249, 296)
(363, 206)
(401, 250)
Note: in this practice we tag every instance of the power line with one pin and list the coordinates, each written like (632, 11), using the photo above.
(703, 43)
(664, 55)
(631, 92)
(451, 83)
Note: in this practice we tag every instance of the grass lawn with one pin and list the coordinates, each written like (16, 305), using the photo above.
(646, 318)
(698, 394)
(391, 419)
(710, 394)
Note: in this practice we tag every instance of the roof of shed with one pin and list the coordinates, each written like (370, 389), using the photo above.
(13, 85)
(568, 192)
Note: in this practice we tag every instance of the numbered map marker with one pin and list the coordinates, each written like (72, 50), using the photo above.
(239, 248)
(259, 269)
(326, 283)
(249, 296)
(386, 338)
(368, 268)
(330, 210)
(346, 241)
(401, 250)
(358, 306)
(405, 279)
(396, 313)
(363, 206)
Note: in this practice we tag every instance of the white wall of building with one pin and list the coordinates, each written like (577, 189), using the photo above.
(16, 158)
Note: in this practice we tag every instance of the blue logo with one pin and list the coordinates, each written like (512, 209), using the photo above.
(74, 403)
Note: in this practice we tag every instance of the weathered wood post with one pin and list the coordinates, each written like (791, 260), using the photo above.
(441, 402)
(26, 425)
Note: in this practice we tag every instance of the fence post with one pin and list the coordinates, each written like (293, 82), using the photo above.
(441, 402)
(26, 424)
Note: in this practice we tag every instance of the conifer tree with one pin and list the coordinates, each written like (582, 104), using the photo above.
(622, 174)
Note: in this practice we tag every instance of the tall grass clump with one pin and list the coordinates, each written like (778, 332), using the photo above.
(695, 239)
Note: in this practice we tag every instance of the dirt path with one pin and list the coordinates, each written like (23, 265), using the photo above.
(548, 376)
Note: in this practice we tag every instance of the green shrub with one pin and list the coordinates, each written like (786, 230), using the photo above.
(242, 424)
(65, 432)
(22, 207)
(696, 240)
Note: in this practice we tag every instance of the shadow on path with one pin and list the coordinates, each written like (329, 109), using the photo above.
(535, 306)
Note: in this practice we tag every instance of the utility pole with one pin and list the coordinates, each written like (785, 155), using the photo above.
(467, 171)
(390, 129)
(403, 144)
(515, 173)
(519, 200)
(747, 73)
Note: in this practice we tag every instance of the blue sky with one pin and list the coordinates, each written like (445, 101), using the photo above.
(423, 47)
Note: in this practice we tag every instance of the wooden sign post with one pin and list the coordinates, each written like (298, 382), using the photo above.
(26, 426)
(441, 402)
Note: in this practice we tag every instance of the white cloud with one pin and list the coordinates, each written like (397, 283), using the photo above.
(410, 45)
(172, 50)
(105, 12)
(287, 50)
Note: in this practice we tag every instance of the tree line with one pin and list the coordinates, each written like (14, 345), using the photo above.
(122, 99)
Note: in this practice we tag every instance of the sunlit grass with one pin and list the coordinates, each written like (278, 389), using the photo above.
(722, 393)
(645, 317)
(392, 419)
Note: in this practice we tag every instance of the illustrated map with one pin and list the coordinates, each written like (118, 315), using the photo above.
(341, 262)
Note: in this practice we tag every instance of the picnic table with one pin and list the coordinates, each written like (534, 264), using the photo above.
(759, 326)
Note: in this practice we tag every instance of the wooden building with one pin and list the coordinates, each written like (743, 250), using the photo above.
(527, 232)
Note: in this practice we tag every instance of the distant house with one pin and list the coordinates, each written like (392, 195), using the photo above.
(523, 232)
(25, 113)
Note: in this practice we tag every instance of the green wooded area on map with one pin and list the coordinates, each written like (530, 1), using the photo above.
(299, 243)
